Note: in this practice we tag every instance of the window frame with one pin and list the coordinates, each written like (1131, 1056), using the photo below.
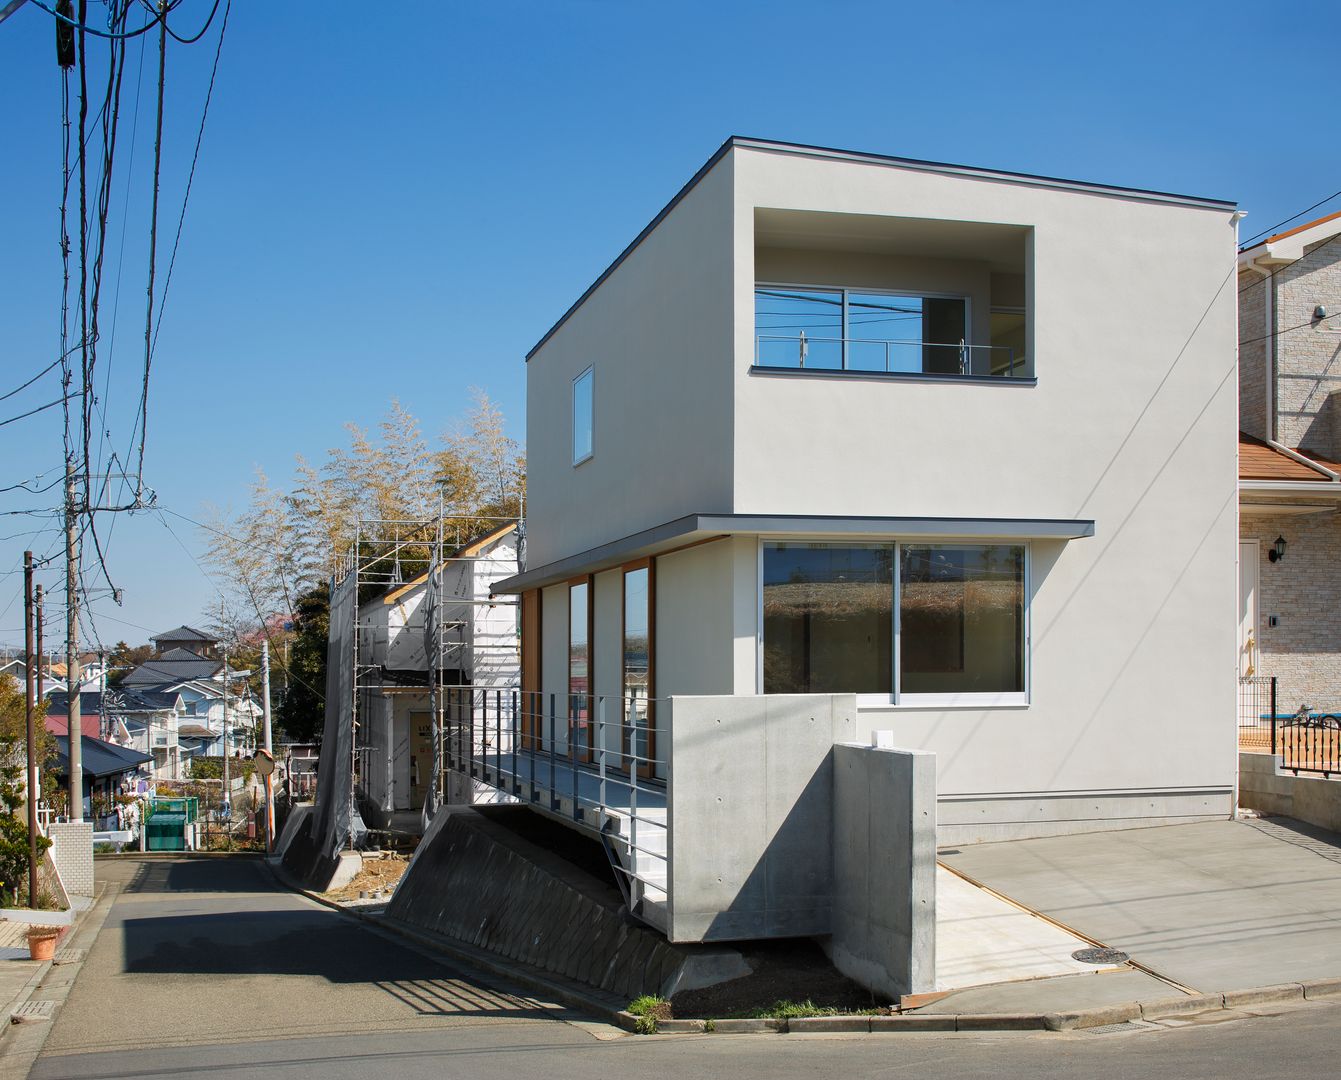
(895, 699)
(845, 290)
(645, 769)
(587, 581)
(588, 371)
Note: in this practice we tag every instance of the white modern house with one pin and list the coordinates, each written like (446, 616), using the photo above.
(956, 441)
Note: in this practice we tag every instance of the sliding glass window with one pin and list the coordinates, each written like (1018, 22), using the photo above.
(827, 619)
(961, 620)
(829, 622)
(846, 329)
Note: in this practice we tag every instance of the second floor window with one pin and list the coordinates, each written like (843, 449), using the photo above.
(583, 416)
(833, 329)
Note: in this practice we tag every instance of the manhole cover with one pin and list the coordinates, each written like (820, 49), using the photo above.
(31, 1011)
(1099, 956)
(68, 956)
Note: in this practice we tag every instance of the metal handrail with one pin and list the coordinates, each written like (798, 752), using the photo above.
(803, 342)
(567, 735)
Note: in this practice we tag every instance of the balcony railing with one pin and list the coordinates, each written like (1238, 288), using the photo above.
(908, 357)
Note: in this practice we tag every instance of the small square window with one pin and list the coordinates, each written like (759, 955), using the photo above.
(582, 417)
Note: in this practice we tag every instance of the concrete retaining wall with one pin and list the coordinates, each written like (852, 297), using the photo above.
(476, 881)
(884, 868)
(1263, 786)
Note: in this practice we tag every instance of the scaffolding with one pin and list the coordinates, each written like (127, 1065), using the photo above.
(390, 554)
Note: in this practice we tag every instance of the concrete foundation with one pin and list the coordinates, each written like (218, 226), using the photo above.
(1265, 787)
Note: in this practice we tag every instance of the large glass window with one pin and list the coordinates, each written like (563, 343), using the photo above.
(961, 619)
(638, 666)
(829, 621)
(583, 415)
(846, 329)
(579, 666)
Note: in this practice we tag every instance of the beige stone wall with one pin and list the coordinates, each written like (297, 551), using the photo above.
(1308, 359)
(1252, 354)
(1304, 591)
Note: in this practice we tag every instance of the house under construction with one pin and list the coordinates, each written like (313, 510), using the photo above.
(415, 639)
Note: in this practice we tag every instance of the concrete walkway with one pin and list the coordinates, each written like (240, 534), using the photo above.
(1205, 907)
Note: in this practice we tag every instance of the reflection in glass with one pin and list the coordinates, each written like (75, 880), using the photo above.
(582, 416)
(827, 618)
(637, 665)
(799, 328)
(961, 612)
(579, 668)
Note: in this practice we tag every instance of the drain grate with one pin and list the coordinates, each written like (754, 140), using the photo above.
(1107, 1029)
(68, 956)
(1099, 956)
(32, 1011)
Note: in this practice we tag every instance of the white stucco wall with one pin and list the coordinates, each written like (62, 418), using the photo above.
(1132, 423)
(658, 333)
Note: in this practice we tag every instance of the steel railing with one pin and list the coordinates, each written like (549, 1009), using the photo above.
(889, 356)
(590, 757)
(1306, 741)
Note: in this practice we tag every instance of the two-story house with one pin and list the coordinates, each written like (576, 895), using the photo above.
(957, 441)
(874, 502)
(1289, 292)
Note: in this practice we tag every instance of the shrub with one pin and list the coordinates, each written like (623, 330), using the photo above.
(649, 1010)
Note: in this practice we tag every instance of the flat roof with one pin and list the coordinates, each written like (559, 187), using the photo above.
(703, 528)
(809, 150)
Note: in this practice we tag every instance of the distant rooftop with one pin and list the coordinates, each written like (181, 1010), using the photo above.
(185, 633)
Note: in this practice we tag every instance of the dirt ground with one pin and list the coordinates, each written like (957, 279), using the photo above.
(789, 970)
(380, 873)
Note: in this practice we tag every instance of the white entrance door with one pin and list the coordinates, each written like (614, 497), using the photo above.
(1249, 567)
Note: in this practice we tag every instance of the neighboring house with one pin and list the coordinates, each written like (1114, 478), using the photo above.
(187, 670)
(93, 722)
(108, 770)
(948, 450)
(478, 649)
(186, 638)
(1289, 288)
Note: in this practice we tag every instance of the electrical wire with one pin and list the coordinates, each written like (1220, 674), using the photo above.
(86, 29)
(191, 175)
(1289, 329)
(4, 397)
(1253, 240)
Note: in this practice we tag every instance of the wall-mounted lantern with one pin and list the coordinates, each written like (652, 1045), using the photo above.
(1277, 551)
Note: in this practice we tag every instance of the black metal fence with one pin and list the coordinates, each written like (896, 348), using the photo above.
(1257, 708)
(1305, 741)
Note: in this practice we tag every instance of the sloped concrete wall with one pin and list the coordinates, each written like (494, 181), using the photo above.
(476, 881)
(884, 868)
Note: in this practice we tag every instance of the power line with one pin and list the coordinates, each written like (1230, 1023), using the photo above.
(34, 379)
(86, 29)
(195, 156)
(1252, 240)
(1288, 329)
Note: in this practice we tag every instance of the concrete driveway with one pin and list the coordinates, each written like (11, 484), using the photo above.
(1213, 906)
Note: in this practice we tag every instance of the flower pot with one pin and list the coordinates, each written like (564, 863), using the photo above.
(42, 942)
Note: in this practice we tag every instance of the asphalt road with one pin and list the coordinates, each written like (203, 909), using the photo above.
(209, 967)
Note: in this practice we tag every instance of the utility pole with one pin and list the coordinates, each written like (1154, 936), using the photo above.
(226, 801)
(72, 679)
(29, 705)
(269, 749)
(34, 777)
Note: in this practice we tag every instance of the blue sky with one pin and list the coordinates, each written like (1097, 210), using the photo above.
(397, 201)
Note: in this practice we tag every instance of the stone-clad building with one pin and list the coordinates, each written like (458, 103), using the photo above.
(1289, 292)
